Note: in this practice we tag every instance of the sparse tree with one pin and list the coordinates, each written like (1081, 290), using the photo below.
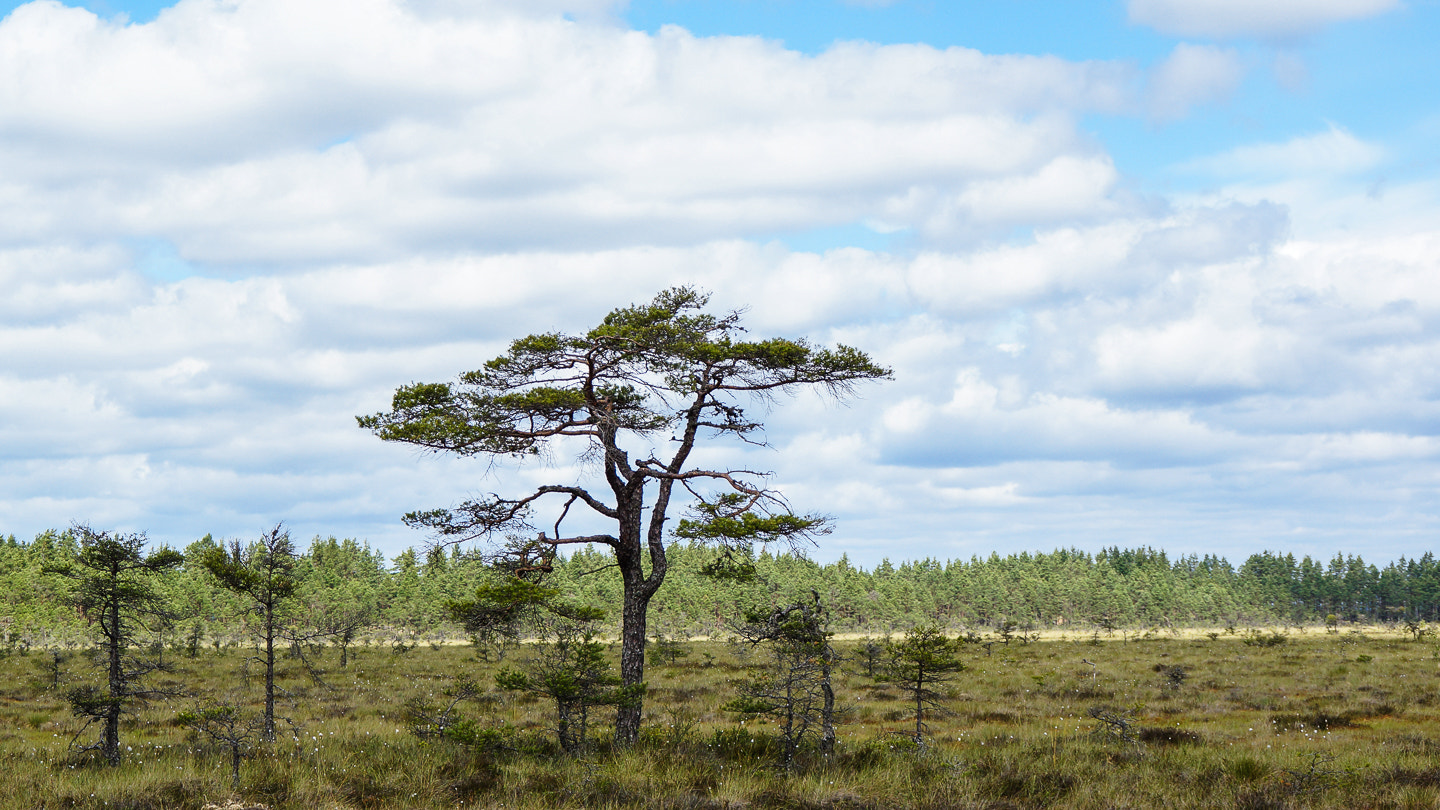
(1006, 631)
(669, 649)
(54, 666)
(342, 626)
(871, 651)
(504, 607)
(1416, 629)
(571, 668)
(229, 726)
(428, 722)
(634, 396)
(114, 589)
(264, 571)
(919, 662)
(795, 689)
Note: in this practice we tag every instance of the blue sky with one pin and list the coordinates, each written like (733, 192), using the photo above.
(1149, 271)
(1369, 73)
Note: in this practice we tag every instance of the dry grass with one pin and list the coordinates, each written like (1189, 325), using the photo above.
(1326, 721)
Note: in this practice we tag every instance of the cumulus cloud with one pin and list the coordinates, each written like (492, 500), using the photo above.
(1274, 19)
(1331, 181)
(269, 130)
(1042, 376)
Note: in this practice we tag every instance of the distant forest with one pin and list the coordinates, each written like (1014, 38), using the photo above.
(347, 582)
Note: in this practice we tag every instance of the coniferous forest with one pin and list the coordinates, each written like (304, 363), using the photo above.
(407, 597)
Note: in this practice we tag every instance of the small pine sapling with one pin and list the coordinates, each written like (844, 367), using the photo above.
(228, 726)
(668, 650)
(570, 666)
(921, 661)
(430, 722)
(872, 652)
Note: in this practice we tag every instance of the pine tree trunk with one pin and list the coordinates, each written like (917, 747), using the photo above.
(920, 705)
(563, 726)
(632, 662)
(827, 711)
(269, 673)
(789, 731)
(110, 738)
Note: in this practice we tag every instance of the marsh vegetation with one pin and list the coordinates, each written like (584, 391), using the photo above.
(1320, 719)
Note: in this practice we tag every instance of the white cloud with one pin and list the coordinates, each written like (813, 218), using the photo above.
(1333, 152)
(267, 131)
(980, 425)
(1200, 353)
(1193, 75)
(1066, 189)
(1331, 183)
(1273, 19)
(238, 396)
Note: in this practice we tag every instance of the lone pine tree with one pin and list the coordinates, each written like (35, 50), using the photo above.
(634, 396)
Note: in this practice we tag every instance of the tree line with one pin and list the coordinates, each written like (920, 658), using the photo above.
(406, 599)
(1065, 588)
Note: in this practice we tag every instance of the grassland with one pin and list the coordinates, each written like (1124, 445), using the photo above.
(1348, 720)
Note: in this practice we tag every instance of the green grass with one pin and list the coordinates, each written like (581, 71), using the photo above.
(1318, 721)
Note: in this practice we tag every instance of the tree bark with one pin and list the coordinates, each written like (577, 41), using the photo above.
(920, 705)
(827, 712)
(632, 661)
(269, 673)
(110, 738)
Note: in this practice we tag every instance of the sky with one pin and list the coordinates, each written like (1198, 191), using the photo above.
(1148, 272)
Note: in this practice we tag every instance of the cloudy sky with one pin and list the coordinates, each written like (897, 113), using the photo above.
(1148, 271)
